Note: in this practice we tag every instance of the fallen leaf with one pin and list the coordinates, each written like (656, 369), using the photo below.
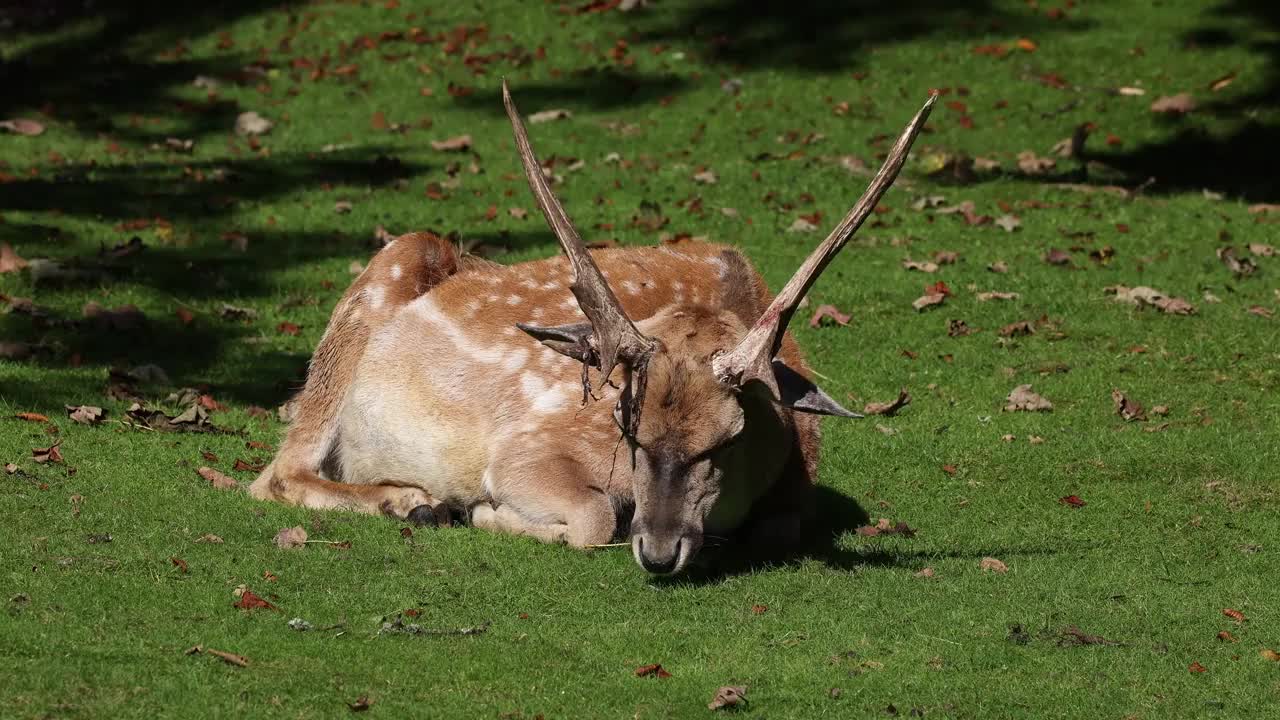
(1225, 636)
(958, 328)
(1059, 257)
(934, 295)
(250, 124)
(1196, 667)
(1032, 164)
(1071, 636)
(706, 177)
(22, 126)
(294, 537)
(342, 207)
(884, 526)
(1270, 654)
(1022, 398)
(1128, 409)
(518, 213)
(999, 267)
(926, 267)
(890, 408)
(31, 417)
(288, 328)
(179, 563)
(1009, 222)
(1234, 614)
(1131, 91)
(1177, 104)
(545, 116)
(925, 573)
(1260, 311)
(1222, 82)
(461, 143)
(1008, 438)
(9, 260)
(1020, 328)
(1035, 440)
(1072, 501)
(47, 454)
(801, 225)
(1240, 266)
(1143, 295)
(229, 658)
(1263, 208)
(654, 670)
(993, 565)
(361, 704)
(759, 609)
(996, 295)
(209, 538)
(246, 466)
(728, 697)
(85, 414)
(828, 312)
(217, 479)
(249, 601)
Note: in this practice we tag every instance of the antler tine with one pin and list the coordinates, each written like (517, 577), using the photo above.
(752, 358)
(616, 339)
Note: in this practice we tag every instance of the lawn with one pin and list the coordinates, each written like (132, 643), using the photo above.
(1138, 545)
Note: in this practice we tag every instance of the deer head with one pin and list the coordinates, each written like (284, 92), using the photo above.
(705, 400)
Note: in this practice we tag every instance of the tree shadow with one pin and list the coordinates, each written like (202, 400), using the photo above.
(827, 35)
(1242, 161)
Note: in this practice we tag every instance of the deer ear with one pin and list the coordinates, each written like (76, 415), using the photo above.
(801, 394)
(570, 340)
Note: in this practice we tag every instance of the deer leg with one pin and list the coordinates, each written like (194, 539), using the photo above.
(403, 270)
(551, 501)
(307, 489)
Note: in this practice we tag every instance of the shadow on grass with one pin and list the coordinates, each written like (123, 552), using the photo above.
(838, 517)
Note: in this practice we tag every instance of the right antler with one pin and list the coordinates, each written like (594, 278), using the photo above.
(752, 358)
(615, 339)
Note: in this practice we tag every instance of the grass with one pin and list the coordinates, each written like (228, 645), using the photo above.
(1179, 524)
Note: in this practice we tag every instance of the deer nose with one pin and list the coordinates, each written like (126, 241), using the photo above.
(659, 558)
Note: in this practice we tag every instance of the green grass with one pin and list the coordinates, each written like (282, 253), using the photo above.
(1179, 524)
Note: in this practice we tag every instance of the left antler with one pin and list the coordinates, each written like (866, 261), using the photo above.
(752, 358)
(615, 338)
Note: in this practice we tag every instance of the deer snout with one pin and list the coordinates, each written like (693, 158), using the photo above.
(664, 553)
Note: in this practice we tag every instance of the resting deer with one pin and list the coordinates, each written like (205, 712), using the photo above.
(561, 398)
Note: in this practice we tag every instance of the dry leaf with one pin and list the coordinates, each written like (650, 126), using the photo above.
(1222, 82)
(934, 295)
(993, 565)
(294, 537)
(48, 454)
(959, 328)
(925, 573)
(1009, 222)
(1269, 654)
(249, 601)
(1143, 295)
(217, 479)
(1032, 164)
(1241, 266)
(1058, 257)
(1022, 398)
(342, 207)
(1178, 104)
(926, 267)
(22, 126)
(9, 259)
(1234, 614)
(1131, 91)
(654, 670)
(361, 704)
(801, 225)
(828, 311)
(999, 267)
(1128, 409)
(706, 177)
(1020, 328)
(461, 143)
(1196, 667)
(890, 408)
(884, 526)
(518, 213)
(1072, 501)
(31, 417)
(728, 697)
(545, 116)
(251, 123)
(1262, 249)
(85, 414)
(1260, 311)
(209, 538)
(996, 295)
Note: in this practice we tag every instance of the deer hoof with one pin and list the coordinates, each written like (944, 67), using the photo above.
(423, 516)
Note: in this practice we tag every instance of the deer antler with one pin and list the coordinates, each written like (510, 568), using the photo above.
(615, 339)
(752, 358)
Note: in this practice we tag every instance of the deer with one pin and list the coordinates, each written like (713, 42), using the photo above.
(648, 394)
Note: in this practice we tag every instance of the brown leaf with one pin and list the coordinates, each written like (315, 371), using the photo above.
(9, 259)
(759, 609)
(1058, 257)
(1225, 636)
(1262, 249)
(946, 257)
(1269, 654)
(1196, 667)
(518, 213)
(801, 225)
(1022, 398)
(288, 328)
(31, 417)
(288, 538)
(654, 670)
(1032, 164)
(545, 116)
(249, 601)
(179, 563)
(461, 143)
(48, 454)
(1143, 295)
(997, 295)
(926, 267)
(10, 468)
(1128, 409)
(1222, 82)
(361, 704)
(250, 124)
(1176, 104)
(1072, 501)
(728, 697)
(1020, 328)
(925, 573)
(217, 479)
(343, 207)
(1260, 311)
(1234, 614)
(1071, 635)
(884, 526)
(85, 414)
(890, 408)
(1240, 266)
(1008, 223)
(378, 121)
(22, 126)
(209, 538)
(229, 658)
(246, 466)
(993, 565)
(828, 312)
(959, 328)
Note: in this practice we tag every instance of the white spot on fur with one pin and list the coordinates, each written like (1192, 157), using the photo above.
(631, 287)
(388, 245)
(552, 285)
(396, 271)
(529, 283)
(514, 300)
(377, 295)
(515, 360)
(677, 285)
(537, 313)
(492, 298)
